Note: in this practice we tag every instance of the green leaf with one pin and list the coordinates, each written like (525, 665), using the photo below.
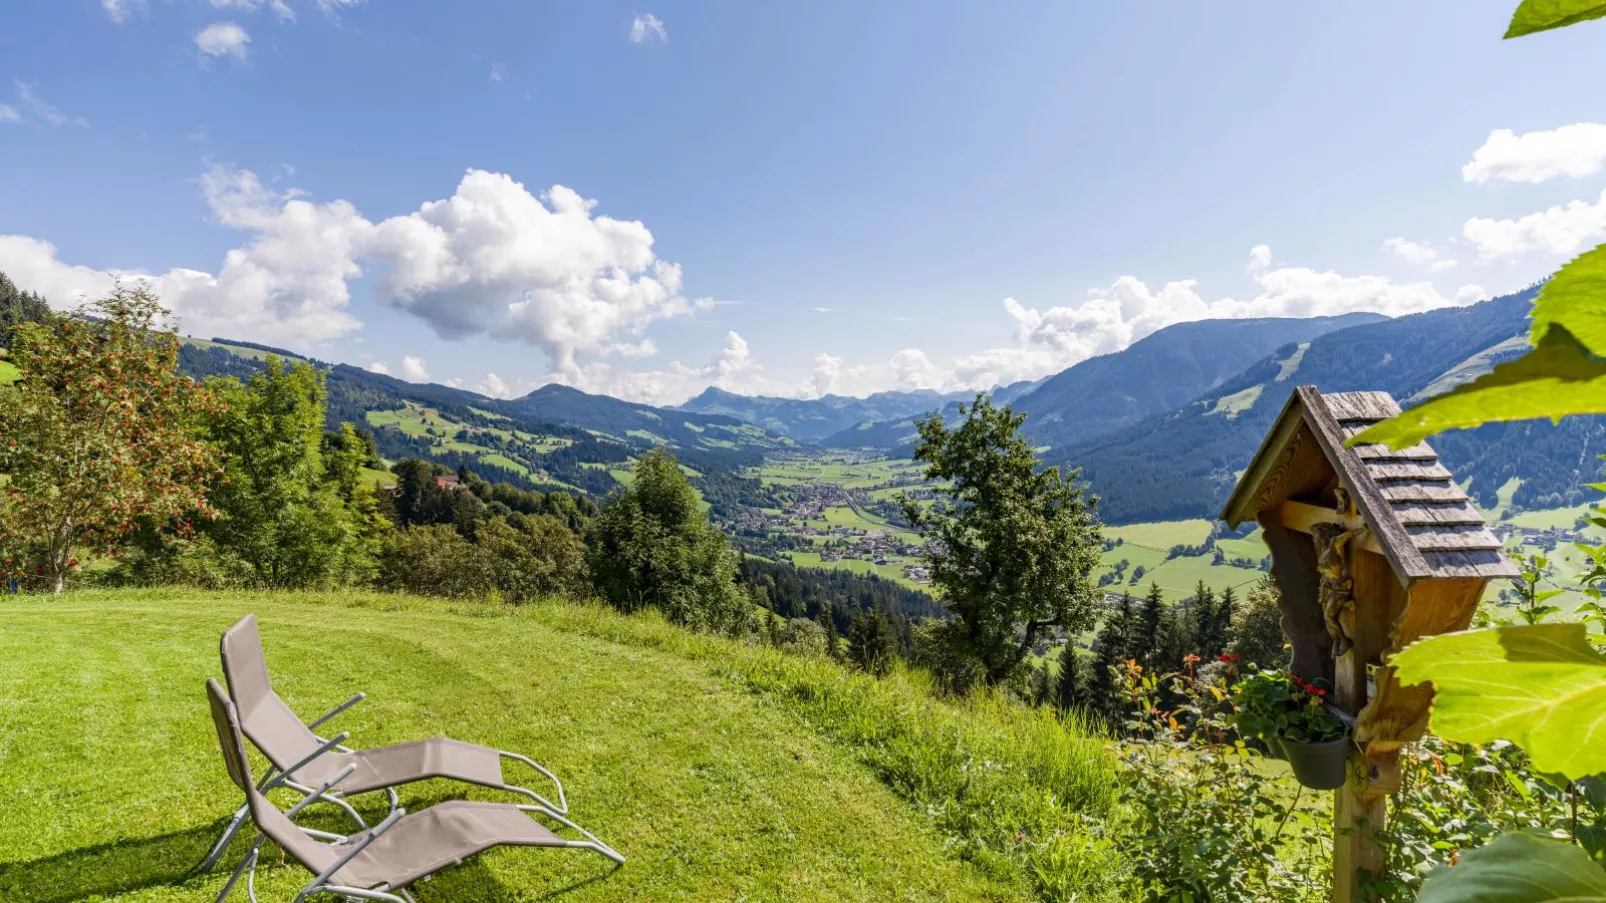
(1558, 378)
(1518, 868)
(1543, 15)
(1575, 298)
(1542, 687)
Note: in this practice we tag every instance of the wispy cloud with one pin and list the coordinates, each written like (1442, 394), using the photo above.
(33, 103)
(646, 28)
(9, 113)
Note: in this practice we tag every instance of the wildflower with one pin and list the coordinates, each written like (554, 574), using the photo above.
(1190, 659)
(1228, 657)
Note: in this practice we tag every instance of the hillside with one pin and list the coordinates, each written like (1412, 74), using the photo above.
(698, 758)
(1170, 367)
(1183, 462)
(1159, 372)
(555, 437)
(813, 419)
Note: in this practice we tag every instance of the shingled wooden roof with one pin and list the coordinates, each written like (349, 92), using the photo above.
(1422, 521)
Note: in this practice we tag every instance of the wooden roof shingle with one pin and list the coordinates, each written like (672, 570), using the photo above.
(1423, 521)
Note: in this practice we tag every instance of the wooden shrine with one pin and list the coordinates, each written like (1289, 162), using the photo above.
(1372, 549)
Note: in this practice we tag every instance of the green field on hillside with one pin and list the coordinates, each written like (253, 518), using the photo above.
(847, 471)
(8, 372)
(700, 759)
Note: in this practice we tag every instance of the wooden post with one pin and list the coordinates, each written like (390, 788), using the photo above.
(1358, 809)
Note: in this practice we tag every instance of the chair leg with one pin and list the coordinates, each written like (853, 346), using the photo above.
(249, 861)
(223, 842)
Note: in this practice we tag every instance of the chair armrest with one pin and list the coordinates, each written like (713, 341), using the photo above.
(338, 864)
(337, 710)
(317, 795)
(284, 775)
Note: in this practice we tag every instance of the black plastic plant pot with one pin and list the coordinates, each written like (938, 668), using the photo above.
(1319, 766)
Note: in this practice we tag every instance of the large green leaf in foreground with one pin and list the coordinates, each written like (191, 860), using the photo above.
(1557, 379)
(1518, 868)
(1564, 374)
(1542, 687)
(1543, 15)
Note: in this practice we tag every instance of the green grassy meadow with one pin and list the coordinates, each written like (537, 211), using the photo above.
(8, 372)
(725, 772)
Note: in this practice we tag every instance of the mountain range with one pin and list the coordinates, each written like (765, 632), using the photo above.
(1158, 429)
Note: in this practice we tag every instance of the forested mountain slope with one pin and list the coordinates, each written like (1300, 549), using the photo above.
(1174, 365)
(1160, 372)
(1184, 462)
(813, 419)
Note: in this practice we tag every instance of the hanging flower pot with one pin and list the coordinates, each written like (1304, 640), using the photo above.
(1290, 716)
(1319, 766)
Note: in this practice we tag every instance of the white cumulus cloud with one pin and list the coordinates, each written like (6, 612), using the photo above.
(1562, 230)
(1574, 151)
(646, 28)
(491, 260)
(415, 369)
(223, 39)
(496, 260)
(379, 367)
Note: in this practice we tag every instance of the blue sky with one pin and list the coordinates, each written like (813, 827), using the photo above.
(784, 198)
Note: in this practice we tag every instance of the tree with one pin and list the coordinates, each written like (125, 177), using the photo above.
(653, 547)
(98, 435)
(16, 308)
(1112, 648)
(1012, 548)
(1257, 632)
(1207, 628)
(871, 643)
(1149, 620)
(1071, 692)
(283, 511)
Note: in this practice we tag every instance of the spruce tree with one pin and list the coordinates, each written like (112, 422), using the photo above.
(1071, 690)
(1114, 645)
(1207, 635)
(1152, 613)
(1258, 627)
(1225, 613)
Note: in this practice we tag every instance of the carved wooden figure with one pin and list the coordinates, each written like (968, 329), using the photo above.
(1372, 549)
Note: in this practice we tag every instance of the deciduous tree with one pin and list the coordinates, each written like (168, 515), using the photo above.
(1012, 547)
(98, 434)
(653, 547)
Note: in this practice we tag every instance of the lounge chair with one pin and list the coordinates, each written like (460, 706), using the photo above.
(302, 760)
(378, 864)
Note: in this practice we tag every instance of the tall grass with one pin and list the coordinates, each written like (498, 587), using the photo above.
(1027, 791)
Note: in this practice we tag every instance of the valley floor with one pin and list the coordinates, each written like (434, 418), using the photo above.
(114, 787)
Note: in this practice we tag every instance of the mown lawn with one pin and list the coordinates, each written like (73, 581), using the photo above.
(8, 372)
(716, 789)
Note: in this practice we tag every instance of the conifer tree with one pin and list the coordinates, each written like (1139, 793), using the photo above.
(1113, 649)
(1258, 627)
(1207, 634)
(1150, 616)
(1071, 691)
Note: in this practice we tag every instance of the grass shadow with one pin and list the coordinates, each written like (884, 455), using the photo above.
(112, 868)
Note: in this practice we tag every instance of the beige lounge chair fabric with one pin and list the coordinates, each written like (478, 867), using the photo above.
(414, 846)
(425, 842)
(286, 740)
